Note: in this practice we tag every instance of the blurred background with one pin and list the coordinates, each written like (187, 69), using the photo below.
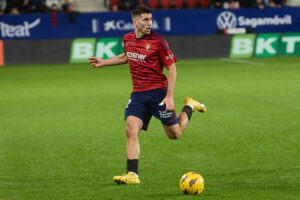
(45, 6)
(70, 31)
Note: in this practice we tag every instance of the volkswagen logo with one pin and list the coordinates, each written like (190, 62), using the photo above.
(226, 20)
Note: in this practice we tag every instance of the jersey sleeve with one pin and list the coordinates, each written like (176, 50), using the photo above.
(166, 54)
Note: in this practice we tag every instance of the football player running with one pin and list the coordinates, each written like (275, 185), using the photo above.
(147, 54)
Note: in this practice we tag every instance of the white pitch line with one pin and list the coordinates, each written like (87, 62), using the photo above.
(241, 61)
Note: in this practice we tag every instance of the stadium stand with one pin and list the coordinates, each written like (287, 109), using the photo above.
(42, 6)
(293, 3)
(128, 4)
(153, 4)
(231, 4)
(178, 3)
(2, 4)
(191, 3)
(165, 4)
(49, 3)
(89, 5)
(246, 3)
(114, 5)
(217, 3)
(204, 3)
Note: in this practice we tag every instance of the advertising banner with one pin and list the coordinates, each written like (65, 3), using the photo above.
(165, 22)
(78, 50)
(241, 46)
(265, 45)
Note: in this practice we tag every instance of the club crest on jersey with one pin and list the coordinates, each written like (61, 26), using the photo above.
(148, 47)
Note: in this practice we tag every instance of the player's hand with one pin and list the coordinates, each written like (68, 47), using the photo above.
(169, 103)
(96, 62)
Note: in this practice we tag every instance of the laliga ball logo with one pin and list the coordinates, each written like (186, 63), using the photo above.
(226, 20)
(191, 183)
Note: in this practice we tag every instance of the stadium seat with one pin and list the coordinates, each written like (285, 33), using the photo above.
(165, 4)
(153, 4)
(114, 2)
(178, 3)
(191, 3)
(204, 3)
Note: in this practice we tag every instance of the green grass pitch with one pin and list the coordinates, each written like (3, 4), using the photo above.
(62, 132)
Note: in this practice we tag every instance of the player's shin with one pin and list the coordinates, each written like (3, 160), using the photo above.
(132, 165)
(188, 110)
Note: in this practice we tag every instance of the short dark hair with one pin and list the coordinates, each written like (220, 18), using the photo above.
(138, 10)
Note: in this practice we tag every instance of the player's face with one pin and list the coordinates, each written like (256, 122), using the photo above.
(143, 24)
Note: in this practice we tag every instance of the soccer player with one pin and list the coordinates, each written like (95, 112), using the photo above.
(147, 54)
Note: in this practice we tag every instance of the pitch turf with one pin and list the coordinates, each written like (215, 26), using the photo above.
(62, 132)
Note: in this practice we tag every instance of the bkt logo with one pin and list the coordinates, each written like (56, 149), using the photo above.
(226, 20)
(265, 45)
(83, 48)
(11, 31)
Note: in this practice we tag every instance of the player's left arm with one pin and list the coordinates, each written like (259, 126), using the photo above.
(169, 100)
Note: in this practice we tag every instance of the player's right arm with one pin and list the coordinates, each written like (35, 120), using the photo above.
(117, 60)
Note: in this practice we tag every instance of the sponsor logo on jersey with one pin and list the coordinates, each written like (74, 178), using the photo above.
(136, 57)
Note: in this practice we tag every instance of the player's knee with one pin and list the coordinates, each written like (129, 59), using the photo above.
(128, 132)
(174, 135)
(131, 132)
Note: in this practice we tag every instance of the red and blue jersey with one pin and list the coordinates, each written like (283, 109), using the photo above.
(147, 57)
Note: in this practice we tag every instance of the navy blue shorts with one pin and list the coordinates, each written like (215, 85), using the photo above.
(145, 104)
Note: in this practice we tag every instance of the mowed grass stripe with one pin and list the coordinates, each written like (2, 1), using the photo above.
(62, 132)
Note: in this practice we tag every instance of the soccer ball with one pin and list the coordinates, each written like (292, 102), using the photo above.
(191, 183)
